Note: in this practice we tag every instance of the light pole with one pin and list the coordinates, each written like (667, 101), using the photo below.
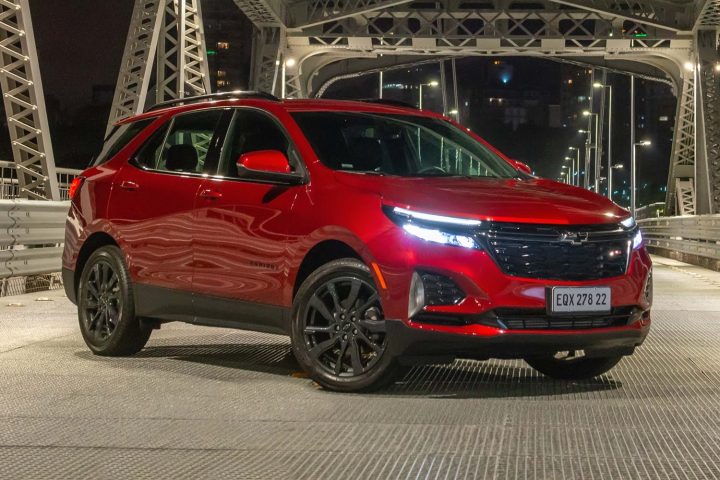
(565, 174)
(432, 84)
(633, 174)
(572, 165)
(577, 165)
(617, 166)
(588, 113)
(609, 149)
(586, 163)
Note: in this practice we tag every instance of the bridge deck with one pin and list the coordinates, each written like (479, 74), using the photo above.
(220, 403)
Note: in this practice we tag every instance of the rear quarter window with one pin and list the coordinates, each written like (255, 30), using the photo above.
(120, 136)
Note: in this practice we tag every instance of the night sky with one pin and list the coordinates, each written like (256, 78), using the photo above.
(80, 44)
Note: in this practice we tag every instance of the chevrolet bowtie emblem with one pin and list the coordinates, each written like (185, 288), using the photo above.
(574, 238)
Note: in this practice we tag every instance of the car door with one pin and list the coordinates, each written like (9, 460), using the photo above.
(241, 229)
(153, 209)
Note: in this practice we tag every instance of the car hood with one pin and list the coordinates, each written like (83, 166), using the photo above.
(534, 200)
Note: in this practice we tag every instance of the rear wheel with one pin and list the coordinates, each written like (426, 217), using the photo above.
(106, 307)
(572, 365)
(338, 329)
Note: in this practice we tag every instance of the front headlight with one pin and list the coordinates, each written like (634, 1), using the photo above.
(637, 240)
(628, 223)
(454, 231)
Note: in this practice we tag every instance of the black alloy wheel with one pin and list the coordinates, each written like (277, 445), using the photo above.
(339, 329)
(103, 301)
(343, 326)
(106, 307)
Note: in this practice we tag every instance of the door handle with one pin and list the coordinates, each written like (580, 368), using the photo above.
(210, 194)
(129, 185)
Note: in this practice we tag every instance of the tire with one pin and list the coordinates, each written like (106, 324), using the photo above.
(106, 306)
(567, 366)
(347, 336)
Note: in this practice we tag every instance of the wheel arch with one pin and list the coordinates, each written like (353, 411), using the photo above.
(320, 254)
(93, 242)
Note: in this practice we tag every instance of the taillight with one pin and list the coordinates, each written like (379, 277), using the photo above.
(75, 186)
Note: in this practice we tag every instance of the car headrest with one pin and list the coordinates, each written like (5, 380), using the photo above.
(182, 158)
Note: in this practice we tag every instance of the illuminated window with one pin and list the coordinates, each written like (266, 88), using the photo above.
(223, 45)
(221, 74)
(223, 83)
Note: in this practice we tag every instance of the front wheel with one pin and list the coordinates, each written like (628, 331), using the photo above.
(338, 329)
(572, 365)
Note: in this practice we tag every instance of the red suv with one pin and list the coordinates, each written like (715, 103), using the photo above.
(376, 236)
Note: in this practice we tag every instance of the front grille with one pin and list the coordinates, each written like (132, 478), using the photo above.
(531, 319)
(550, 252)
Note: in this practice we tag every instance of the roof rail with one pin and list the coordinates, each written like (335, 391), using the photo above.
(214, 96)
(391, 103)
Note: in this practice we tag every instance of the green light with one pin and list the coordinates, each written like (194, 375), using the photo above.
(640, 35)
(211, 52)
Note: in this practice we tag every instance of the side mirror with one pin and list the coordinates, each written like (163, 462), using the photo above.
(523, 167)
(270, 166)
(264, 161)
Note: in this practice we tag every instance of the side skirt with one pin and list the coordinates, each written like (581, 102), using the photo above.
(178, 305)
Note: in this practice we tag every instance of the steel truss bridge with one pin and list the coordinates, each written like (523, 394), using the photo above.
(302, 46)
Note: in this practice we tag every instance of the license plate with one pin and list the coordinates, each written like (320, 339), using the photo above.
(580, 300)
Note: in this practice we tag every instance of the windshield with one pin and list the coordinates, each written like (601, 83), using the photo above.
(403, 145)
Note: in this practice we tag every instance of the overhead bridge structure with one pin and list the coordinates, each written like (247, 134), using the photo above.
(301, 46)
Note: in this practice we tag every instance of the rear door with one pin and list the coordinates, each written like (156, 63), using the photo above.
(152, 206)
(241, 229)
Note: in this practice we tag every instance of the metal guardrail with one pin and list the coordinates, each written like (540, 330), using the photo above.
(9, 185)
(656, 209)
(693, 239)
(31, 237)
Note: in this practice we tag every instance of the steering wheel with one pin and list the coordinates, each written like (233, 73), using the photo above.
(431, 169)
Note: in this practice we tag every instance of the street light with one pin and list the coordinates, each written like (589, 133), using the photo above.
(577, 165)
(609, 149)
(572, 169)
(588, 113)
(633, 176)
(432, 84)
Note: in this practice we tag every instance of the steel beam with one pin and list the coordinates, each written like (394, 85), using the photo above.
(654, 13)
(707, 163)
(25, 104)
(140, 49)
(318, 12)
(682, 158)
(268, 43)
(263, 13)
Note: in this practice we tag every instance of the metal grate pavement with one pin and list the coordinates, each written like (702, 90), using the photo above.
(213, 403)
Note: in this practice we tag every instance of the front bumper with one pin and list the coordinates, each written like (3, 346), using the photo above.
(415, 345)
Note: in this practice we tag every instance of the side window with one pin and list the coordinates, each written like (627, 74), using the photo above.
(185, 146)
(251, 131)
(120, 136)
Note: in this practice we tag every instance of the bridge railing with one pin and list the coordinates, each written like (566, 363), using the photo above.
(692, 239)
(9, 188)
(656, 209)
(31, 237)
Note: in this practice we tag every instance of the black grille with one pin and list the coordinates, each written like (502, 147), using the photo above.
(559, 252)
(530, 319)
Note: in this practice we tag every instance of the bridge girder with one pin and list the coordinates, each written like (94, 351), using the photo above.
(25, 103)
(171, 33)
(661, 34)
